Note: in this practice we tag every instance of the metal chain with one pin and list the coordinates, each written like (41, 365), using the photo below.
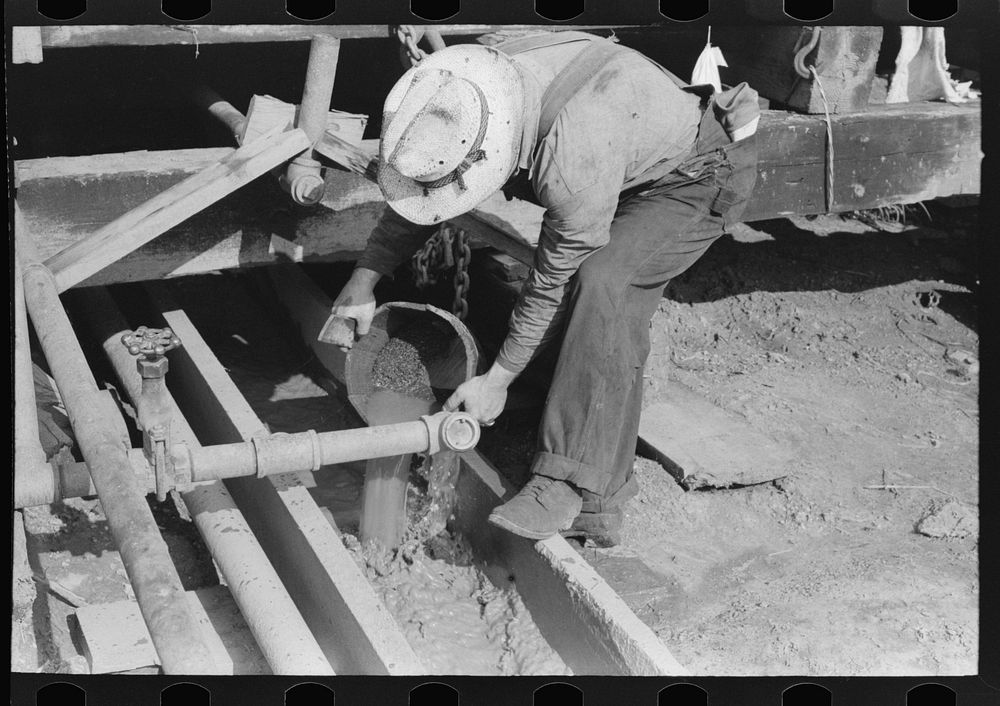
(447, 248)
(460, 306)
(408, 36)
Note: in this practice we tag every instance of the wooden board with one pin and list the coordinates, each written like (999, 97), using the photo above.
(703, 445)
(352, 626)
(115, 637)
(162, 212)
(267, 112)
(844, 59)
(894, 154)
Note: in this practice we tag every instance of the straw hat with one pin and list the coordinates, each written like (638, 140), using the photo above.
(451, 131)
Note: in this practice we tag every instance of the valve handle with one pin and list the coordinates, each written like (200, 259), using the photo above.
(150, 342)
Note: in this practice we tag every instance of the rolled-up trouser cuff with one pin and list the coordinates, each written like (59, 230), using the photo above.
(580, 474)
(613, 500)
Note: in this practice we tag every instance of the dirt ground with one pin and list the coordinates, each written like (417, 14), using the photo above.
(858, 350)
(855, 347)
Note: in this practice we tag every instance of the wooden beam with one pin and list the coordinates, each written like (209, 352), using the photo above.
(352, 626)
(66, 199)
(164, 211)
(152, 35)
(844, 59)
(893, 154)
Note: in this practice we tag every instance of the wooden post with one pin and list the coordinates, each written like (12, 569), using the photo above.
(844, 59)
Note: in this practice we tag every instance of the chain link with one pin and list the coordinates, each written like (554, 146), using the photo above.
(448, 248)
(460, 306)
(408, 36)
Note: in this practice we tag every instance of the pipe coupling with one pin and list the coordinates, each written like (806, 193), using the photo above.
(281, 453)
(457, 432)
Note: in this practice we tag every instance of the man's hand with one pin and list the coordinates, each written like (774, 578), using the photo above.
(356, 300)
(484, 396)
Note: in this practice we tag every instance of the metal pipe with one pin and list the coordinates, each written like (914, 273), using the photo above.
(275, 622)
(303, 178)
(309, 450)
(158, 590)
(324, 52)
(222, 110)
(30, 467)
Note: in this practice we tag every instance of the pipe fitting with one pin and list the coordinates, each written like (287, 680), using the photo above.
(304, 181)
(458, 432)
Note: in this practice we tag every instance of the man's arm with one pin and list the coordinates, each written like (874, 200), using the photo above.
(393, 240)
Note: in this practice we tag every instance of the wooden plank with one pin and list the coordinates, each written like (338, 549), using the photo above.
(152, 35)
(267, 112)
(352, 626)
(115, 638)
(844, 59)
(26, 45)
(146, 222)
(593, 630)
(703, 445)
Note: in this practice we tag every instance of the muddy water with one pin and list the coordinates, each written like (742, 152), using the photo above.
(452, 615)
(383, 508)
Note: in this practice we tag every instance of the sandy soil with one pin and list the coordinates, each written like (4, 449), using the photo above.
(856, 348)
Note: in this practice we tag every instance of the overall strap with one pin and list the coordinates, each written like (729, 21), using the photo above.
(540, 40)
(581, 69)
(574, 75)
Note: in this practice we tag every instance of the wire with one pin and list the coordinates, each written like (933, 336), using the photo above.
(829, 142)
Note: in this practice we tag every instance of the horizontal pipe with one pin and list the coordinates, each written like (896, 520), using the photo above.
(162, 601)
(277, 625)
(309, 450)
(220, 109)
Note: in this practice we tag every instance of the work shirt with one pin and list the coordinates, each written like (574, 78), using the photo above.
(627, 126)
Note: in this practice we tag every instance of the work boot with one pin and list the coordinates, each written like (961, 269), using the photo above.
(602, 528)
(543, 507)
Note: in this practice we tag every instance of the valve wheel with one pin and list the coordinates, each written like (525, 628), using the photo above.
(150, 342)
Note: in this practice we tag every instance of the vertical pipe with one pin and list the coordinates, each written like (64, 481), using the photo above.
(321, 71)
(175, 631)
(221, 110)
(303, 178)
(276, 624)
